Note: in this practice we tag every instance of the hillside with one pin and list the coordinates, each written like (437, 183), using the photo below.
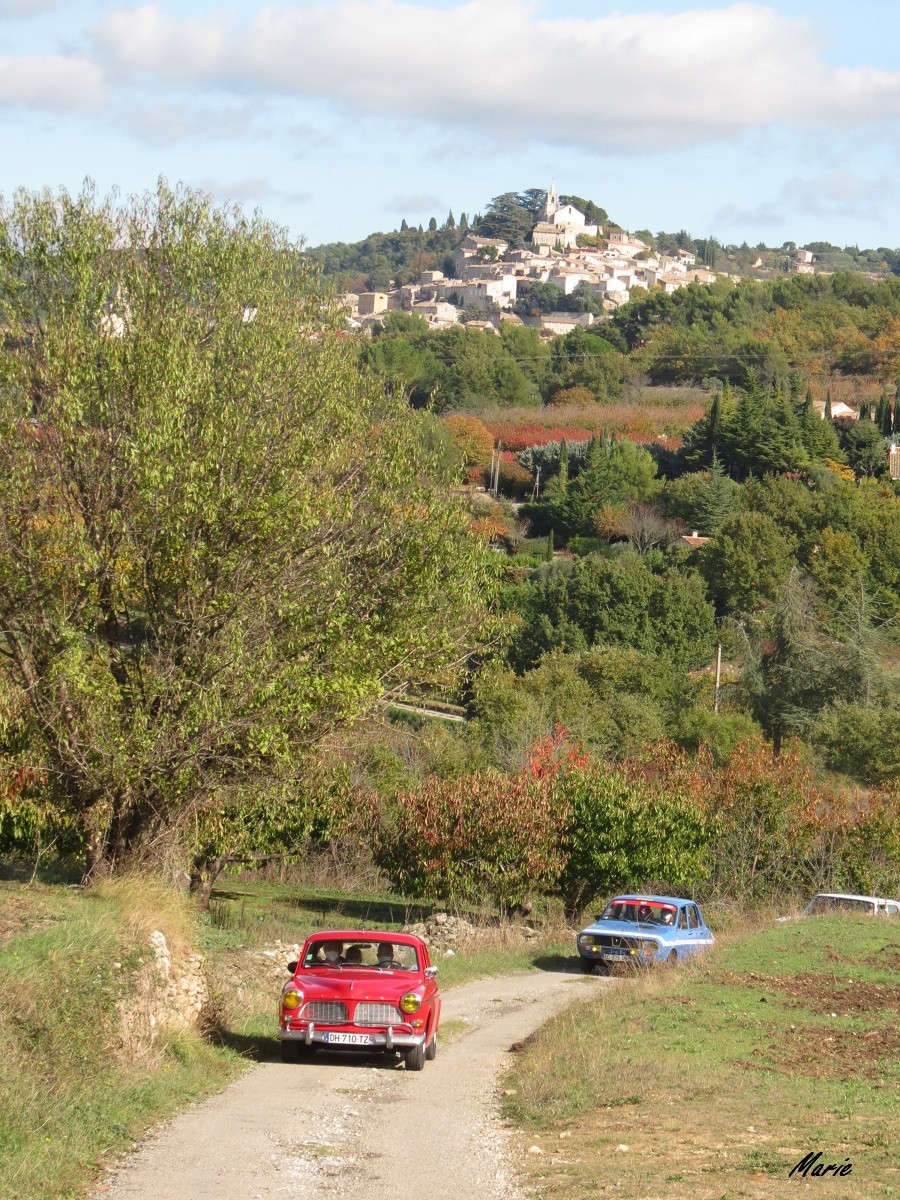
(395, 257)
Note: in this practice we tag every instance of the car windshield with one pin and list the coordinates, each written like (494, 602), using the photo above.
(353, 953)
(652, 912)
(831, 904)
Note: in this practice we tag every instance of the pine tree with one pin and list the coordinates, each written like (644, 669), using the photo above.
(716, 502)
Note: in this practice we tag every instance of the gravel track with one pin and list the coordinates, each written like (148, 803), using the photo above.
(358, 1128)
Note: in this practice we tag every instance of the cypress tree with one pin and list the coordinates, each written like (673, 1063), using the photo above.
(897, 414)
(563, 467)
(463, 222)
(550, 546)
(404, 226)
(864, 411)
(827, 414)
(886, 422)
(451, 220)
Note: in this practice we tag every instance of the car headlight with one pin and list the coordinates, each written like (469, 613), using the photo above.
(584, 940)
(411, 1003)
(292, 998)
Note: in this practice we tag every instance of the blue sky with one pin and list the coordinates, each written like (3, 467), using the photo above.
(769, 122)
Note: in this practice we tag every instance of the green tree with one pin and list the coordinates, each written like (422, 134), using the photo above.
(793, 669)
(614, 474)
(746, 564)
(717, 501)
(864, 446)
(507, 217)
(614, 602)
(622, 833)
(218, 540)
(562, 478)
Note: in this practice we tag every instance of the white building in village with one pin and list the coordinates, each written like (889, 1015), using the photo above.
(562, 224)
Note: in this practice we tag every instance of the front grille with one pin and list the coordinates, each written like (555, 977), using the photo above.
(613, 941)
(332, 1012)
(378, 1014)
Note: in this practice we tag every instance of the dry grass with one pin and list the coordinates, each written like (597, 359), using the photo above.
(714, 1080)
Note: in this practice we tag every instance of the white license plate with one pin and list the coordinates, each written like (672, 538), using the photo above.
(347, 1039)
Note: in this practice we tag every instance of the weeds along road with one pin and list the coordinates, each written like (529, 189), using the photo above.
(339, 1126)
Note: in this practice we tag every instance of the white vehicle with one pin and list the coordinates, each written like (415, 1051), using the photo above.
(827, 903)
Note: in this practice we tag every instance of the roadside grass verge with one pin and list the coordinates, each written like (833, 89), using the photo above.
(81, 1077)
(247, 916)
(714, 1080)
(77, 1087)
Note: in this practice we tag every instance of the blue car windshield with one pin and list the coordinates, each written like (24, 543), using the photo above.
(651, 912)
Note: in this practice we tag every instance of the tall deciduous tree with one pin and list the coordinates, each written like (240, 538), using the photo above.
(216, 540)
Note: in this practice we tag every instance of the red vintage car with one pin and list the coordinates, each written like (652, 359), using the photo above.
(361, 990)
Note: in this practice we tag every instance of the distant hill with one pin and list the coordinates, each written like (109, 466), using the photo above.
(384, 260)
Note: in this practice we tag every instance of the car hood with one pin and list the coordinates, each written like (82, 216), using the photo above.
(629, 928)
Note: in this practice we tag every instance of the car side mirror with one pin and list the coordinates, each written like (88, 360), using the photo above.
(291, 968)
(598, 916)
(430, 972)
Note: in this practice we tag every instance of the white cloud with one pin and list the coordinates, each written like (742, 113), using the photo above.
(413, 204)
(53, 82)
(237, 191)
(164, 124)
(26, 8)
(621, 80)
(837, 194)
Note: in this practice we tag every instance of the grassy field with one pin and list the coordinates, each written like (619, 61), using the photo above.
(79, 1085)
(715, 1080)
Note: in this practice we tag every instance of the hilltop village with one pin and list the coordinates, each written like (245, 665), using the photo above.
(491, 283)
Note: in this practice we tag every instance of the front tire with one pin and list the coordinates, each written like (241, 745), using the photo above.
(672, 958)
(601, 968)
(414, 1057)
(290, 1051)
(587, 967)
(431, 1049)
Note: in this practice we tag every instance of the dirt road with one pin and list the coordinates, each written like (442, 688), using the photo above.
(354, 1128)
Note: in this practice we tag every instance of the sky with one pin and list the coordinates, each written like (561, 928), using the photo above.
(760, 122)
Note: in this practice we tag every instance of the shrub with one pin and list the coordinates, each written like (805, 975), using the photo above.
(580, 397)
(621, 832)
(513, 480)
(473, 440)
(486, 835)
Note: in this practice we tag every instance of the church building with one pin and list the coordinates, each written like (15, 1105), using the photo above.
(562, 224)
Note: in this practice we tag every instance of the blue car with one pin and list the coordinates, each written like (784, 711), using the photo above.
(642, 930)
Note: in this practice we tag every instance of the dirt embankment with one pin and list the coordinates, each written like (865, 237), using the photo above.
(359, 1128)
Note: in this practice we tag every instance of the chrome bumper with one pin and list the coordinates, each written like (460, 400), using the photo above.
(389, 1040)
